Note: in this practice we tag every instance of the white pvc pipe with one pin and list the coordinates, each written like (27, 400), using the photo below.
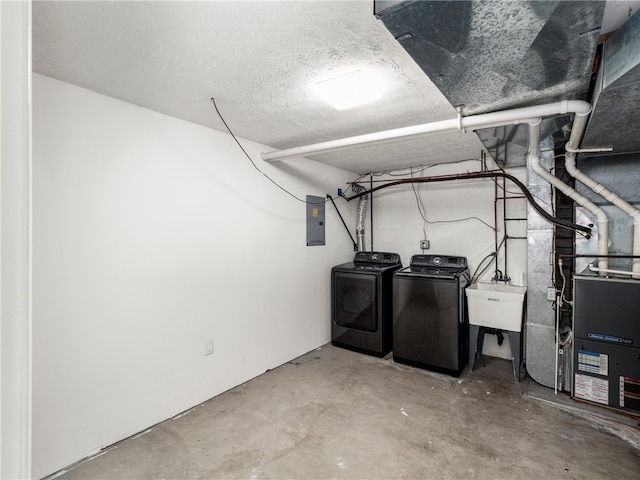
(366, 139)
(634, 213)
(577, 130)
(528, 114)
(601, 217)
(608, 270)
(485, 120)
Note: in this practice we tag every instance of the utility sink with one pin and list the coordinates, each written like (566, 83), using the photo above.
(496, 305)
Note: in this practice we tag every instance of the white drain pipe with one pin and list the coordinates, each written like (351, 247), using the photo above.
(534, 161)
(634, 213)
(473, 122)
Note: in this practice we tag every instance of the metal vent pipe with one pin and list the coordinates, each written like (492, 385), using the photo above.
(362, 212)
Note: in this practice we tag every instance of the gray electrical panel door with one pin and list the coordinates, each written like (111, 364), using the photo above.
(315, 220)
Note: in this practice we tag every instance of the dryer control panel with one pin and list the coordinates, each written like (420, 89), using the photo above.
(378, 258)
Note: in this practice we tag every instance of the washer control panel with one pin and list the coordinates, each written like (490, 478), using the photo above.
(441, 261)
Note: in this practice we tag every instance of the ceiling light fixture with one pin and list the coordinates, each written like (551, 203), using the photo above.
(350, 90)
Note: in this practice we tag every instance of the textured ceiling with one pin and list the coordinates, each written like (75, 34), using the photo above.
(259, 60)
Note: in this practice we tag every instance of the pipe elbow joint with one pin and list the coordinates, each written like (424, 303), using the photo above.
(601, 217)
(579, 107)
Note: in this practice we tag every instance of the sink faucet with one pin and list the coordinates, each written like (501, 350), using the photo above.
(500, 277)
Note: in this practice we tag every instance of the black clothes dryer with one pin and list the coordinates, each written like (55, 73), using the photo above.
(361, 297)
(430, 323)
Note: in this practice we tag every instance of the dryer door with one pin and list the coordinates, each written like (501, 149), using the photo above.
(355, 304)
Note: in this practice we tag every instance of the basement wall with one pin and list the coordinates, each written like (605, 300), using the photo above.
(152, 235)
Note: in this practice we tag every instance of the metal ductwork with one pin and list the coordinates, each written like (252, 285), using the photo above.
(546, 51)
(615, 124)
(615, 121)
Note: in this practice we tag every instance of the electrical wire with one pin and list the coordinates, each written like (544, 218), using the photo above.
(422, 210)
(416, 191)
(487, 249)
(419, 169)
(461, 220)
(213, 101)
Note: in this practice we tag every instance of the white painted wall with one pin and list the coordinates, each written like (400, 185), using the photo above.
(152, 235)
(15, 235)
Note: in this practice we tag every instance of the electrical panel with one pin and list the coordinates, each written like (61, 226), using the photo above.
(315, 220)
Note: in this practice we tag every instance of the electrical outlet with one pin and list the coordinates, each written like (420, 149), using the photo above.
(424, 244)
(551, 294)
(208, 347)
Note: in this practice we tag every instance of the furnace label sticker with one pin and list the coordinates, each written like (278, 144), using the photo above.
(591, 388)
(592, 362)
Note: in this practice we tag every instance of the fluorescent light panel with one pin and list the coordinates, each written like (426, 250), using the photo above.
(350, 90)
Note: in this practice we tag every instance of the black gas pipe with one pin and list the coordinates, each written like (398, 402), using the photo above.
(488, 174)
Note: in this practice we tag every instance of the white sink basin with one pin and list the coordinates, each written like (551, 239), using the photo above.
(496, 305)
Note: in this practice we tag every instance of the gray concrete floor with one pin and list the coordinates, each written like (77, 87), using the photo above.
(337, 414)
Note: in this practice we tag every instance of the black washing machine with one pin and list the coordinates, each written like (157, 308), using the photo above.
(430, 323)
(361, 298)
